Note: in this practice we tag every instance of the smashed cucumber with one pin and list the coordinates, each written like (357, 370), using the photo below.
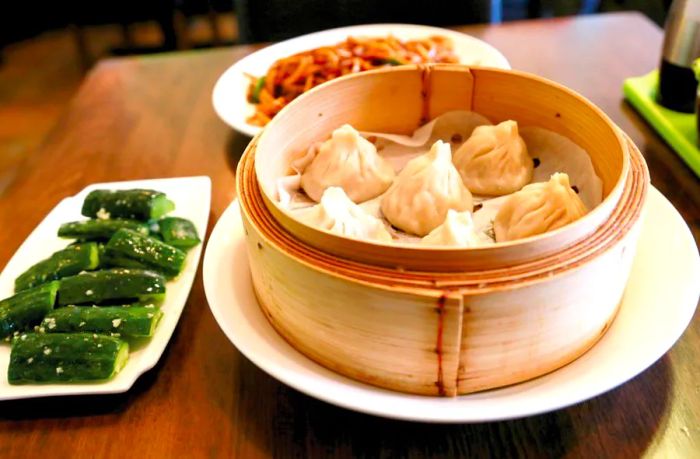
(99, 229)
(67, 262)
(112, 260)
(111, 284)
(26, 309)
(132, 322)
(178, 232)
(65, 357)
(146, 250)
(135, 204)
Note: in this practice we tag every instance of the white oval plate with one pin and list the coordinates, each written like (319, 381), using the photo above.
(230, 92)
(659, 302)
(192, 196)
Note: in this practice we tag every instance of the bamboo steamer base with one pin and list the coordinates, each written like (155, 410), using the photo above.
(441, 333)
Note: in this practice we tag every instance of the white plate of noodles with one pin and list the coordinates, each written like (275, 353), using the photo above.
(230, 95)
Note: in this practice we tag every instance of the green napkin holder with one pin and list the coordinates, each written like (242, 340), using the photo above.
(679, 130)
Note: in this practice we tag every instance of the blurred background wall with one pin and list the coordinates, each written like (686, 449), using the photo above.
(267, 20)
(47, 47)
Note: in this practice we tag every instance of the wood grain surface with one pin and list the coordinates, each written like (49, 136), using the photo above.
(152, 117)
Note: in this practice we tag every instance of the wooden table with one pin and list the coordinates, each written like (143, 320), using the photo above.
(152, 117)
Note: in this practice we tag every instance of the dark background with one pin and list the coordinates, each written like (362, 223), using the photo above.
(265, 20)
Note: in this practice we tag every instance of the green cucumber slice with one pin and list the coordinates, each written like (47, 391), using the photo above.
(132, 322)
(178, 232)
(146, 250)
(111, 284)
(65, 357)
(99, 229)
(67, 262)
(135, 204)
(26, 309)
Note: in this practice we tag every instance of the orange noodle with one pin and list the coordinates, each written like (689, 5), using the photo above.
(291, 76)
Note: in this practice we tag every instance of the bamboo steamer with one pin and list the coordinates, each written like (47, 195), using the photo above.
(440, 333)
(446, 331)
(398, 100)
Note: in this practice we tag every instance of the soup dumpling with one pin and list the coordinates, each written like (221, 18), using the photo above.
(494, 160)
(457, 230)
(424, 191)
(538, 208)
(337, 214)
(349, 161)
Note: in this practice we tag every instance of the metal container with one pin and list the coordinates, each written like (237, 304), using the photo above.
(677, 83)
